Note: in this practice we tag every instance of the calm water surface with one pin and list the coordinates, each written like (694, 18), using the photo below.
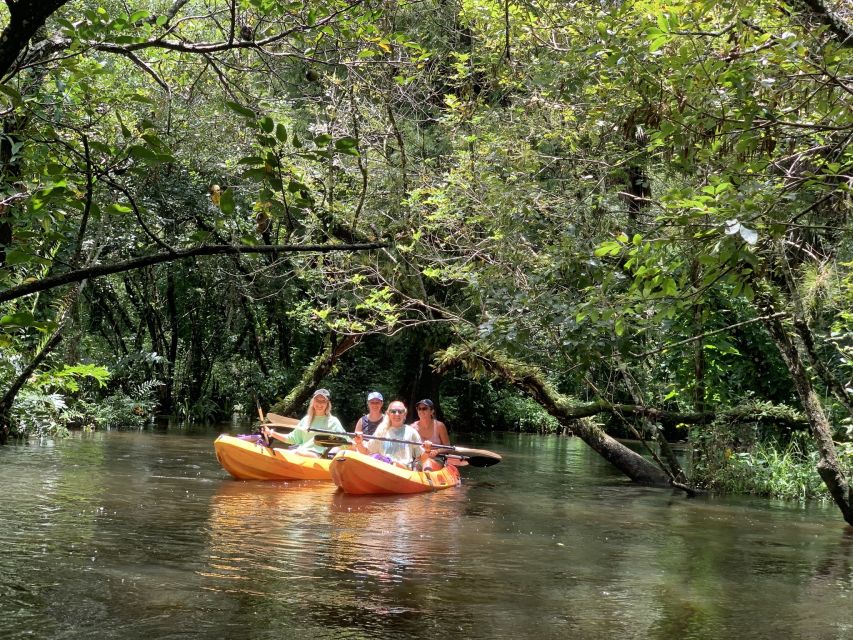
(143, 535)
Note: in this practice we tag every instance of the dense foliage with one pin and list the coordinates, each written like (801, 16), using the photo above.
(647, 201)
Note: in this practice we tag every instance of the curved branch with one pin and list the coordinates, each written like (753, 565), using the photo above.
(158, 258)
(138, 215)
(214, 47)
(139, 62)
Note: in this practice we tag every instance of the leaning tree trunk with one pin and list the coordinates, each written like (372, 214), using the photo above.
(318, 370)
(828, 467)
(529, 380)
(667, 459)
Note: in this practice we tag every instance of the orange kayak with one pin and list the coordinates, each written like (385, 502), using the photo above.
(357, 473)
(247, 460)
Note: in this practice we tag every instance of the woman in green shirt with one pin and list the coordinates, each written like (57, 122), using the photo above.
(319, 416)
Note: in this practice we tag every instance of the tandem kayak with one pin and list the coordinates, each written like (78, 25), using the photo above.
(247, 460)
(359, 474)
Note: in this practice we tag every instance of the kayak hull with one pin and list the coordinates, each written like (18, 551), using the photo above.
(360, 474)
(246, 460)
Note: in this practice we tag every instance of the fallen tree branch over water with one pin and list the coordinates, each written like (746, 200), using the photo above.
(482, 362)
(294, 402)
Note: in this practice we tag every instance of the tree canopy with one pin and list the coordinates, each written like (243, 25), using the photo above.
(642, 205)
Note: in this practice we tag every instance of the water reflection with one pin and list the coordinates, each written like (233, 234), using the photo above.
(341, 560)
(145, 536)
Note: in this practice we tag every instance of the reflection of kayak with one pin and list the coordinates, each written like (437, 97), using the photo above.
(358, 473)
(246, 460)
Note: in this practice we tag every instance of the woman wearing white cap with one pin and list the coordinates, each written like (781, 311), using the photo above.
(367, 423)
(319, 416)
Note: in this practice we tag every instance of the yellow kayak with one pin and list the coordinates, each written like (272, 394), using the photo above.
(357, 473)
(246, 460)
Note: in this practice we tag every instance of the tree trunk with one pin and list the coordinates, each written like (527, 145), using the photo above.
(25, 18)
(8, 399)
(669, 462)
(319, 369)
(168, 400)
(828, 467)
(826, 376)
(529, 381)
(699, 345)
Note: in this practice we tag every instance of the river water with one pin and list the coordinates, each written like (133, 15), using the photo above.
(143, 535)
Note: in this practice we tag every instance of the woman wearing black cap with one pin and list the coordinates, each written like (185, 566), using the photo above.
(318, 416)
(428, 427)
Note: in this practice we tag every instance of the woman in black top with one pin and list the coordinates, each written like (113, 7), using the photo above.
(367, 423)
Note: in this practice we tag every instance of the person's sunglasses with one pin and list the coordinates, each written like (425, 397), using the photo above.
(398, 412)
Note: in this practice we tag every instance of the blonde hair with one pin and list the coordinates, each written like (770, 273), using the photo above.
(385, 425)
(309, 415)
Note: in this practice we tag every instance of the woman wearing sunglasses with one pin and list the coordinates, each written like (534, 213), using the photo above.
(428, 427)
(318, 416)
(393, 425)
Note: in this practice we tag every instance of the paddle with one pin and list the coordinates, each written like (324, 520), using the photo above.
(274, 420)
(475, 457)
(330, 441)
(266, 441)
(281, 421)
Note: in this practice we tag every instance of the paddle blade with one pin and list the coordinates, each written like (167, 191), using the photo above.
(275, 420)
(330, 441)
(478, 457)
(481, 461)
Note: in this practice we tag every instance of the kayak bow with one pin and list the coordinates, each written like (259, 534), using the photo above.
(359, 474)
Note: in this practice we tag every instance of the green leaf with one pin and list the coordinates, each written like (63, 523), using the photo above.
(252, 160)
(281, 133)
(24, 320)
(154, 142)
(14, 257)
(267, 125)
(347, 146)
(239, 108)
(11, 92)
(143, 154)
(258, 174)
(115, 207)
(226, 201)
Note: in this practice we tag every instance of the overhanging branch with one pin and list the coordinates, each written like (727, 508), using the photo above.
(159, 258)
